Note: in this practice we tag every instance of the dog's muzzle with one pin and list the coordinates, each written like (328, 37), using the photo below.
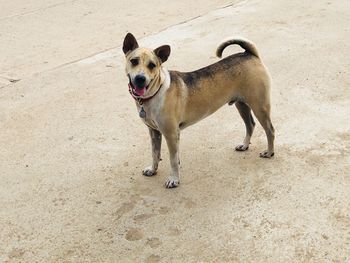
(138, 86)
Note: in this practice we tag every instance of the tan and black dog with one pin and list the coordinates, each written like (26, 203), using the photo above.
(169, 101)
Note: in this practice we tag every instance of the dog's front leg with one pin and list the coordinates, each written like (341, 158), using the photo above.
(172, 140)
(156, 140)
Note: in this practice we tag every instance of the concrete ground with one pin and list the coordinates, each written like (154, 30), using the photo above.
(73, 147)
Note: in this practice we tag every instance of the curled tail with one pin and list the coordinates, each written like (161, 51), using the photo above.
(244, 43)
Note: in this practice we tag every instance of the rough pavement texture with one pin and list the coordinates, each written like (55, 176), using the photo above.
(72, 146)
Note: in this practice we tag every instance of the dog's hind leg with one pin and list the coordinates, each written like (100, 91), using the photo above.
(245, 112)
(156, 140)
(262, 113)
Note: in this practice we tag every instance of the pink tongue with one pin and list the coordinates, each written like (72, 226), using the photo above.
(140, 91)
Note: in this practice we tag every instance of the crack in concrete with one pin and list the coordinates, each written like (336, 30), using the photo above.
(7, 79)
(115, 47)
(150, 34)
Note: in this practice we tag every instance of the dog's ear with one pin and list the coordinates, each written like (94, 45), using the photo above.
(162, 52)
(130, 43)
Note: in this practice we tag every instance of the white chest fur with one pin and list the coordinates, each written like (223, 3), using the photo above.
(153, 107)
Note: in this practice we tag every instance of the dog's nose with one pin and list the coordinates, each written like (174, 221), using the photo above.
(140, 81)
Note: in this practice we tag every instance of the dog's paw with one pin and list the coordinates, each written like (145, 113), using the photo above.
(172, 182)
(149, 171)
(242, 147)
(266, 154)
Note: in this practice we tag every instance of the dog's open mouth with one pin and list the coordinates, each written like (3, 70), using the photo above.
(137, 91)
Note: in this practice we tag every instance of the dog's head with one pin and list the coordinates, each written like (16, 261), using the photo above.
(143, 66)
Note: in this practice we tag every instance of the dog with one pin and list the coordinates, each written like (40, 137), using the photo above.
(169, 101)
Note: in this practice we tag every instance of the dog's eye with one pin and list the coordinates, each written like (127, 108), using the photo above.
(134, 61)
(151, 65)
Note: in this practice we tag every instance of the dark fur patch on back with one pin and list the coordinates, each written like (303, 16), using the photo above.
(228, 63)
(175, 79)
